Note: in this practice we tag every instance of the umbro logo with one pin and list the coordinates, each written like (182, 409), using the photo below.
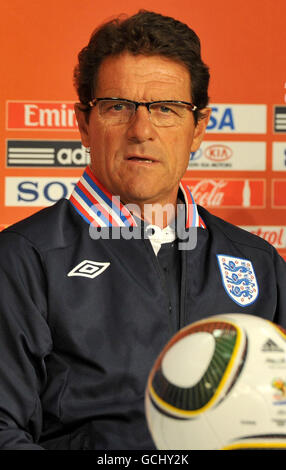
(89, 269)
(271, 346)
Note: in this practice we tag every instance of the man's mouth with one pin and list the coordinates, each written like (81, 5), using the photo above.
(141, 159)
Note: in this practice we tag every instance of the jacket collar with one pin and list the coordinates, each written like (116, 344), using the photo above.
(98, 206)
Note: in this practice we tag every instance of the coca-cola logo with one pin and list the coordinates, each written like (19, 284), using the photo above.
(228, 192)
(218, 152)
(207, 192)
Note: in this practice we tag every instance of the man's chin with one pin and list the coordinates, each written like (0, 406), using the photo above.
(138, 197)
(142, 198)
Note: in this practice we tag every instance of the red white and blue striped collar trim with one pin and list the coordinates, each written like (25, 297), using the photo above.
(98, 206)
(193, 218)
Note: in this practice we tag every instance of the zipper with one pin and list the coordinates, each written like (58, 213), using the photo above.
(162, 281)
(182, 310)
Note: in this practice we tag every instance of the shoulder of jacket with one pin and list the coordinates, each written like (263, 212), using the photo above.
(49, 228)
(232, 232)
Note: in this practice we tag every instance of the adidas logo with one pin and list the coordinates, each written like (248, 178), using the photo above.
(271, 346)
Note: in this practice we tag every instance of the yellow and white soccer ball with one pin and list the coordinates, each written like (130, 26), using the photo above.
(220, 383)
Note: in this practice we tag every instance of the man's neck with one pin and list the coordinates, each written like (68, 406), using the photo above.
(156, 213)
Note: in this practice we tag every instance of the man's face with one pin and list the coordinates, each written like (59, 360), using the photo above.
(138, 161)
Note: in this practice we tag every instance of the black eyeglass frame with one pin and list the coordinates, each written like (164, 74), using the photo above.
(147, 104)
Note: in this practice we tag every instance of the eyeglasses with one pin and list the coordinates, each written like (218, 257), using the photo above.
(162, 113)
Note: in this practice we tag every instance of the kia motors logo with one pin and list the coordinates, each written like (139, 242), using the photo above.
(229, 155)
(218, 153)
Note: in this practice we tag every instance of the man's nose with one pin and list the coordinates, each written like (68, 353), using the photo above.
(140, 127)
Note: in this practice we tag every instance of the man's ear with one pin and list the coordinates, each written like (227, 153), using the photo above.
(200, 128)
(82, 120)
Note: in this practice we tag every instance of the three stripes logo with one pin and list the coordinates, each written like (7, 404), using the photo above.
(280, 119)
(271, 346)
(45, 153)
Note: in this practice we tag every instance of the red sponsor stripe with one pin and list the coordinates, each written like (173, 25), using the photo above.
(228, 192)
(41, 115)
(279, 193)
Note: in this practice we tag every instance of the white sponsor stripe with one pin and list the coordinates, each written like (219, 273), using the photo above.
(280, 126)
(102, 203)
(22, 161)
(100, 222)
(36, 155)
(37, 191)
(30, 150)
(250, 156)
(246, 118)
(279, 156)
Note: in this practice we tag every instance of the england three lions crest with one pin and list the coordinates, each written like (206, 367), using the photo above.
(239, 280)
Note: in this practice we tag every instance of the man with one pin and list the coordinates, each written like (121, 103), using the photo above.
(89, 294)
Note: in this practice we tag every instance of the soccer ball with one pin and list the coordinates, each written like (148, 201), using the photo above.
(220, 383)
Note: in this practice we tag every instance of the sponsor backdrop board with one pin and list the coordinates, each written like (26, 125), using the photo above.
(239, 173)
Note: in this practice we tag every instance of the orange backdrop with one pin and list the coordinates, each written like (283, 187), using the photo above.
(239, 172)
